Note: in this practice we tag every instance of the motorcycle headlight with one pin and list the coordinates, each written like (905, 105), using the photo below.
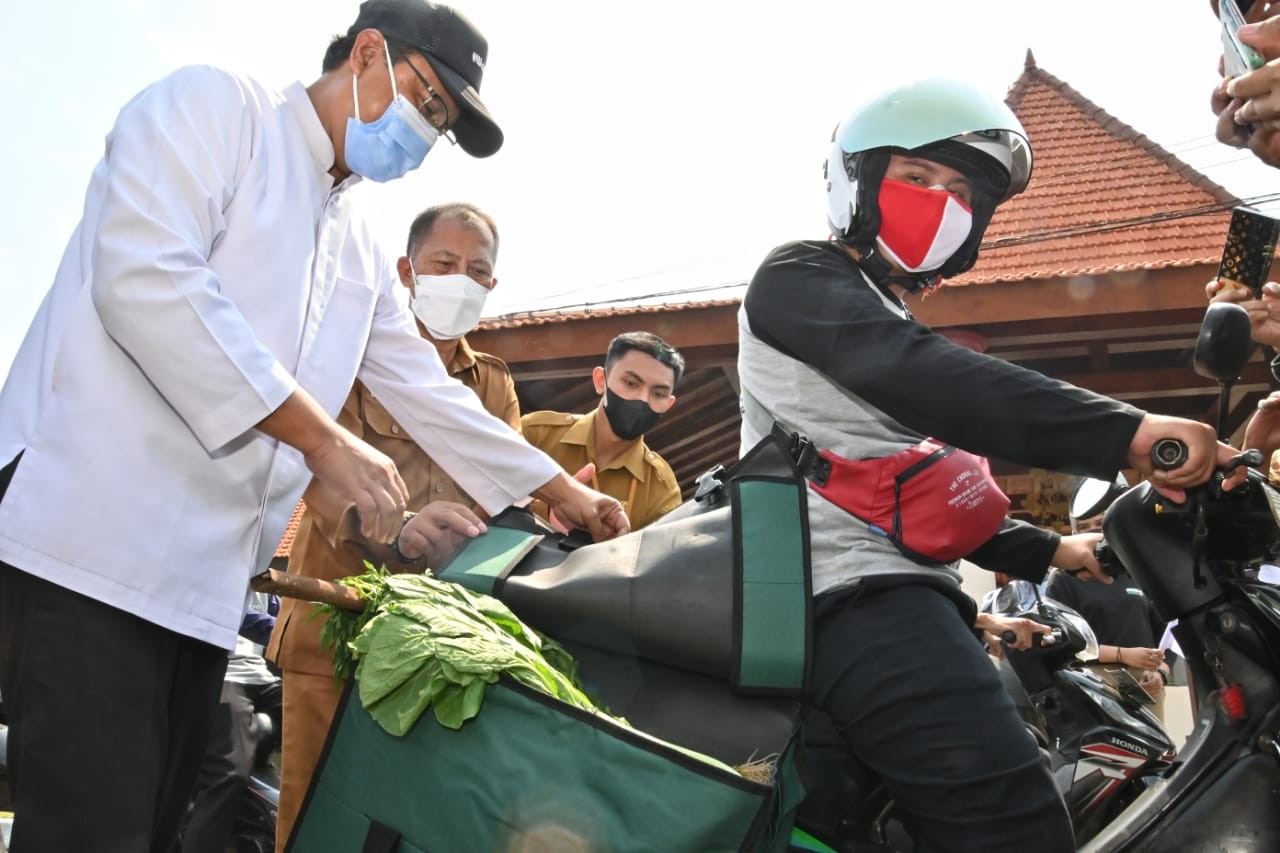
(1078, 624)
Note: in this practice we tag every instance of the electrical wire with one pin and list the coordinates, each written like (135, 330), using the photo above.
(1105, 226)
(1139, 155)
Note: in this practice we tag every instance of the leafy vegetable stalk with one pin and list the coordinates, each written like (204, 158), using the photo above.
(425, 643)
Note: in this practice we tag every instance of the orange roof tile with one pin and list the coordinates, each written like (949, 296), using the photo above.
(286, 541)
(1102, 197)
(555, 316)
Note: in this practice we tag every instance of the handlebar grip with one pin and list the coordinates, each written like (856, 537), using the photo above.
(1009, 637)
(1169, 453)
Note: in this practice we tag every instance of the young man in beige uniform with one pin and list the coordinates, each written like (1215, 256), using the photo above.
(448, 270)
(635, 386)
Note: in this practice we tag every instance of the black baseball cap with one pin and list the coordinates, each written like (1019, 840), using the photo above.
(457, 53)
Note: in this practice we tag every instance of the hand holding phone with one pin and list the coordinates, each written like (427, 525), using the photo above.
(1250, 247)
(1237, 57)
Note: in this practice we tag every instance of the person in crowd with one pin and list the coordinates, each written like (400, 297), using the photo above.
(447, 271)
(250, 688)
(829, 351)
(1263, 430)
(1248, 112)
(636, 388)
(177, 389)
(1128, 629)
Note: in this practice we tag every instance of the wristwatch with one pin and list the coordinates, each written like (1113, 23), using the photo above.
(395, 544)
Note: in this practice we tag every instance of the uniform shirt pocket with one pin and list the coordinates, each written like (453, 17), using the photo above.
(379, 419)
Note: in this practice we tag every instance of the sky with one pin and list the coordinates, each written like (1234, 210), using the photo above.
(651, 148)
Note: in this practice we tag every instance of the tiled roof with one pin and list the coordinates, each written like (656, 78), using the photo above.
(524, 319)
(1102, 197)
(286, 541)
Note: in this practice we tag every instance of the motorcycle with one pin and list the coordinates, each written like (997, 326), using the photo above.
(255, 826)
(255, 830)
(1105, 746)
(1198, 563)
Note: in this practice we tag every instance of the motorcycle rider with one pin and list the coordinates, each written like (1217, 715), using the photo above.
(1126, 625)
(828, 349)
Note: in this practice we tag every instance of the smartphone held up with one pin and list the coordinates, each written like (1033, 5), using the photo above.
(1237, 57)
(1249, 250)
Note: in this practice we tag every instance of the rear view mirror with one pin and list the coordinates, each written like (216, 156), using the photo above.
(1014, 598)
(1093, 496)
(1224, 343)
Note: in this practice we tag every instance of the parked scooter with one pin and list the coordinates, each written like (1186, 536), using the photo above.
(1198, 563)
(255, 830)
(1105, 747)
(255, 827)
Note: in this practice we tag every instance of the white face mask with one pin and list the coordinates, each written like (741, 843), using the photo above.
(449, 306)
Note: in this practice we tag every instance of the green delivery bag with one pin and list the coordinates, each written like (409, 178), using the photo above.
(696, 629)
(529, 773)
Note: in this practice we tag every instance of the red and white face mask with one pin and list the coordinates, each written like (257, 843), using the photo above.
(920, 228)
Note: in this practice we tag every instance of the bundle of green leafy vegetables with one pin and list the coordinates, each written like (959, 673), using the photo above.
(425, 643)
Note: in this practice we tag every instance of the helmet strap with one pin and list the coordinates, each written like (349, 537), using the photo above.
(868, 170)
(872, 262)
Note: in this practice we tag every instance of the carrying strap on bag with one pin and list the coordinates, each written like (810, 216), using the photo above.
(773, 592)
(380, 839)
(804, 453)
(934, 502)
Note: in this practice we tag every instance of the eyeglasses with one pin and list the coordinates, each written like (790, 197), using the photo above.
(433, 109)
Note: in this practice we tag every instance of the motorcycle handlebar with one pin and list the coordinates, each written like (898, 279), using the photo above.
(1047, 639)
(1169, 453)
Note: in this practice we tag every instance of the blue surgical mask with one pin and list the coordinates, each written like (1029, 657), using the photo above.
(392, 146)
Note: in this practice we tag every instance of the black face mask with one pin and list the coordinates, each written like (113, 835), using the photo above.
(629, 418)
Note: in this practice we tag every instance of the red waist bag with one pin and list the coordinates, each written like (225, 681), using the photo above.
(935, 502)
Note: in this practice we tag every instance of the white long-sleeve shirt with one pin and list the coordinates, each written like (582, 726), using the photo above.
(216, 269)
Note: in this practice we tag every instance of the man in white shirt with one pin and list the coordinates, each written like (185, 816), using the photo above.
(176, 391)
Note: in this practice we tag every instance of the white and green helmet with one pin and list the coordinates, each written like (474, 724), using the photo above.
(939, 119)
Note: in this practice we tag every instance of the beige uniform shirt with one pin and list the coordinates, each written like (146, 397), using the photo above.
(640, 478)
(328, 543)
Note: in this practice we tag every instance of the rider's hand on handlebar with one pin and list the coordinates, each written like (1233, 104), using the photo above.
(993, 626)
(1078, 552)
(1204, 453)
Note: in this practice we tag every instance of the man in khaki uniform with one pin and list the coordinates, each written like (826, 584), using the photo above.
(606, 446)
(448, 270)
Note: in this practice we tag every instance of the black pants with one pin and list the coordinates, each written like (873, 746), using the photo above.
(224, 775)
(108, 716)
(918, 702)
